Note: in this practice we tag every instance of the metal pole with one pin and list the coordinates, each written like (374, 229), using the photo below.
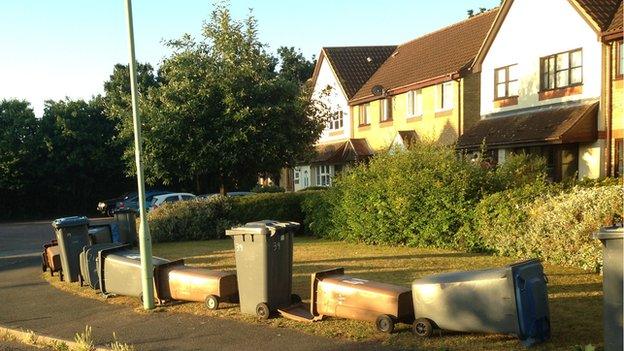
(145, 239)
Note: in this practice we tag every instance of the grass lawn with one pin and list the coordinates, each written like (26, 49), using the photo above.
(575, 296)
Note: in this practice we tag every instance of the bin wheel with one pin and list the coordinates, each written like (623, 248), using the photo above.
(385, 323)
(61, 276)
(294, 299)
(422, 327)
(262, 310)
(212, 302)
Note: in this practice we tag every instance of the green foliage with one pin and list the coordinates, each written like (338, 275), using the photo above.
(294, 66)
(318, 208)
(267, 189)
(208, 218)
(191, 220)
(519, 170)
(547, 222)
(419, 197)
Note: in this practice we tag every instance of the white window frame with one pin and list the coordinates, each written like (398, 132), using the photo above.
(414, 103)
(385, 110)
(296, 176)
(444, 102)
(336, 122)
(364, 111)
(324, 175)
(306, 178)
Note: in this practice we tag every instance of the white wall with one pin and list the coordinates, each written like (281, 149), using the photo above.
(534, 29)
(336, 101)
(304, 171)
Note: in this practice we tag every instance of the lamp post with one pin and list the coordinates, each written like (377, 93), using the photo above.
(145, 239)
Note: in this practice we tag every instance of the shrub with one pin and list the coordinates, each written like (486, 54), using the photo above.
(547, 222)
(191, 220)
(209, 218)
(519, 170)
(419, 197)
(318, 209)
(267, 189)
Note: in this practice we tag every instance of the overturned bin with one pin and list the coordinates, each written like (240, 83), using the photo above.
(264, 257)
(335, 294)
(179, 282)
(119, 273)
(89, 263)
(51, 258)
(72, 235)
(512, 299)
(100, 234)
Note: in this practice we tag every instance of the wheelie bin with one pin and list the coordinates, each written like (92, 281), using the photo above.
(119, 273)
(334, 294)
(89, 263)
(512, 299)
(72, 235)
(612, 241)
(100, 234)
(179, 282)
(125, 218)
(264, 257)
(51, 258)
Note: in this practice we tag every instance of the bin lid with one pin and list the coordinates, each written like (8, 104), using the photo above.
(69, 221)
(265, 227)
(607, 233)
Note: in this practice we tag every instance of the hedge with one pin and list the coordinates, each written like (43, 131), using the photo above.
(208, 218)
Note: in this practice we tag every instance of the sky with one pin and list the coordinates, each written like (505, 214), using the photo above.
(50, 50)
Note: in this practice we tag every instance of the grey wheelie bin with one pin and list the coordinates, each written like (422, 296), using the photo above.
(612, 241)
(264, 256)
(89, 263)
(119, 273)
(100, 234)
(126, 222)
(512, 299)
(72, 235)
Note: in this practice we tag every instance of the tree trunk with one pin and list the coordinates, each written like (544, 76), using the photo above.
(222, 185)
(197, 185)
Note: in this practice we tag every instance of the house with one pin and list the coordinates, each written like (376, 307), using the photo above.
(613, 94)
(339, 73)
(542, 81)
(425, 90)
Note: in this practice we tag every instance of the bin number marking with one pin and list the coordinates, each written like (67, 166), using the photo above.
(238, 247)
(276, 246)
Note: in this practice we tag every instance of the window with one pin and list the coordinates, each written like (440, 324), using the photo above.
(296, 176)
(444, 96)
(336, 121)
(618, 167)
(414, 103)
(505, 82)
(561, 70)
(187, 197)
(306, 179)
(385, 110)
(363, 110)
(619, 60)
(173, 198)
(323, 175)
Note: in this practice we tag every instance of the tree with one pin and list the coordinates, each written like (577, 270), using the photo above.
(21, 153)
(221, 113)
(294, 66)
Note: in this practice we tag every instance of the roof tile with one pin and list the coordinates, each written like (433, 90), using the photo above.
(445, 51)
(601, 11)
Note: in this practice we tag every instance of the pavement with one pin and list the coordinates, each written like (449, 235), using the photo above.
(28, 302)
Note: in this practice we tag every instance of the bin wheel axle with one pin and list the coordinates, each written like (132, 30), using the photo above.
(212, 302)
(262, 310)
(422, 327)
(385, 323)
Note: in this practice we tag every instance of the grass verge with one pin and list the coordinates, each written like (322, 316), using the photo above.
(575, 296)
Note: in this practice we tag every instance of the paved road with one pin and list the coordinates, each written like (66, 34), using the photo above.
(28, 302)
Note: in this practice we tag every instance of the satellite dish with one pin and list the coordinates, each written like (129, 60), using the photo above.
(377, 90)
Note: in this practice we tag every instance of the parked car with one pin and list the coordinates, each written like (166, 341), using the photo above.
(229, 194)
(131, 201)
(158, 200)
(106, 207)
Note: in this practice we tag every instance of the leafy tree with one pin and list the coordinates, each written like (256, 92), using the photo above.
(21, 152)
(294, 66)
(222, 113)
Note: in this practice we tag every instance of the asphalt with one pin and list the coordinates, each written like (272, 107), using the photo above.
(28, 302)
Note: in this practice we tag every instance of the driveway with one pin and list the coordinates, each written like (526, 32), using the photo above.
(29, 302)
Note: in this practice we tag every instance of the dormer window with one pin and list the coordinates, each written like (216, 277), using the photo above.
(561, 70)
